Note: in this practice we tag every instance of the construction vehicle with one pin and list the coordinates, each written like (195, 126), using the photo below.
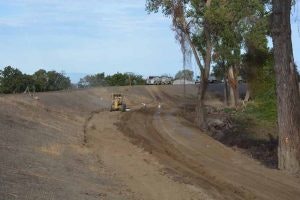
(153, 80)
(159, 80)
(166, 80)
(118, 103)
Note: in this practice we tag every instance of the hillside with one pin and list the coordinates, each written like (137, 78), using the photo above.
(67, 145)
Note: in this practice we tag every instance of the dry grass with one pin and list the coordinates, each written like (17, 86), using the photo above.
(53, 149)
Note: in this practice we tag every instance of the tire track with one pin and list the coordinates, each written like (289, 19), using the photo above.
(87, 121)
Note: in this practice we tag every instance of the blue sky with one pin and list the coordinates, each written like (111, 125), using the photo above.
(85, 37)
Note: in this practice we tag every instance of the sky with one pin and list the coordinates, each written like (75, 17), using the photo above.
(83, 37)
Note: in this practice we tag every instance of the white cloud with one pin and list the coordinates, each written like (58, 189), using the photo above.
(115, 15)
(86, 36)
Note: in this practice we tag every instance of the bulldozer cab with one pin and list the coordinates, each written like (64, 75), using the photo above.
(115, 95)
(118, 103)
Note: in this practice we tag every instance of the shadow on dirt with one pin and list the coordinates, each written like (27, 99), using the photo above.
(138, 127)
(237, 134)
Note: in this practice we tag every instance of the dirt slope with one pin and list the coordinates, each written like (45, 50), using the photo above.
(148, 153)
(42, 156)
(195, 158)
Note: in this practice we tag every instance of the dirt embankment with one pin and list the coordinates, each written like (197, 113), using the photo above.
(42, 156)
(254, 138)
(191, 157)
(147, 153)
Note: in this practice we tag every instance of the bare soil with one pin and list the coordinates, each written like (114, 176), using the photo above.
(257, 139)
(67, 145)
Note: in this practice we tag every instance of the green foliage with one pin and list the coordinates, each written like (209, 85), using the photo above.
(118, 79)
(262, 110)
(57, 81)
(259, 72)
(234, 24)
(92, 81)
(137, 79)
(164, 5)
(40, 78)
(241, 24)
(219, 70)
(155, 5)
(188, 24)
(187, 74)
(13, 80)
(262, 85)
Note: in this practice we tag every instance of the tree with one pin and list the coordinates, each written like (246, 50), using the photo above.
(92, 81)
(185, 74)
(258, 71)
(27, 83)
(120, 79)
(134, 79)
(137, 79)
(258, 57)
(11, 80)
(192, 31)
(117, 79)
(83, 82)
(231, 22)
(287, 88)
(57, 81)
(40, 80)
(220, 72)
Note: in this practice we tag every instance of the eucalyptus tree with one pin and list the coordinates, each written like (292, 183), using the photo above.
(190, 26)
(287, 88)
(231, 21)
(185, 74)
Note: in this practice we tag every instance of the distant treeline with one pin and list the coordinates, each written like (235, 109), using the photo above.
(118, 79)
(12, 80)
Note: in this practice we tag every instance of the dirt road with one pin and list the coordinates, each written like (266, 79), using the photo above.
(196, 159)
(147, 153)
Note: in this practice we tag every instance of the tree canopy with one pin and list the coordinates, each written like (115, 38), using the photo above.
(12, 80)
(185, 74)
(118, 79)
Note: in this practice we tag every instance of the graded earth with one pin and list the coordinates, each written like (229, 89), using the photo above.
(68, 145)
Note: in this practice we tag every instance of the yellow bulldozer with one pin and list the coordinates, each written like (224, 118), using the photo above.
(118, 103)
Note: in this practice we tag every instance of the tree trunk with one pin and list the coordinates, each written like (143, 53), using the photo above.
(225, 91)
(200, 119)
(225, 84)
(233, 83)
(231, 97)
(236, 93)
(288, 98)
(248, 94)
